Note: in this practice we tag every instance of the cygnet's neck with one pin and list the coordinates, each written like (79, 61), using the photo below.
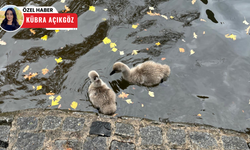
(126, 72)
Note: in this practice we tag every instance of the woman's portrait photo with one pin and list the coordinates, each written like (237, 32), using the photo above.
(11, 18)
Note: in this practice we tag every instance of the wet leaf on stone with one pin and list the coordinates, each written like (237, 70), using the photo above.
(135, 26)
(153, 14)
(92, 8)
(112, 45)
(151, 8)
(193, 1)
(245, 22)
(67, 8)
(134, 52)
(171, 17)
(56, 30)
(105, 9)
(50, 93)
(129, 101)
(121, 52)
(106, 40)
(45, 71)
(165, 17)
(182, 50)
(30, 75)
(58, 98)
(74, 104)
(2, 42)
(45, 37)
(183, 40)
(52, 97)
(151, 94)
(26, 68)
(123, 95)
(195, 35)
(39, 87)
(32, 31)
(163, 58)
(59, 106)
(54, 103)
(204, 32)
(203, 20)
(62, 1)
(247, 30)
(232, 36)
(192, 52)
(114, 49)
(58, 60)
(199, 115)
(158, 43)
(142, 105)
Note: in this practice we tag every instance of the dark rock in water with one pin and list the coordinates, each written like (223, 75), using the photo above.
(100, 128)
(122, 146)
(97, 143)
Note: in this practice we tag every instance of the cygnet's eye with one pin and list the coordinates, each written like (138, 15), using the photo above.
(95, 77)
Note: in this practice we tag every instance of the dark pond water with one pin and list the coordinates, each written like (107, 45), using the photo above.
(213, 82)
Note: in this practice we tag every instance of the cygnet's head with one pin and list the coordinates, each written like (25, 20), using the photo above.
(118, 67)
(94, 77)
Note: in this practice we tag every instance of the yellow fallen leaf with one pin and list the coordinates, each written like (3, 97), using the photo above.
(56, 30)
(171, 17)
(123, 95)
(163, 58)
(112, 45)
(52, 97)
(158, 43)
(106, 40)
(134, 26)
(26, 68)
(182, 50)
(62, 1)
(67, 8)
(45, 37)
(151, 8)
(192, 52)
(232, 36)
(92, 8)
(58, 60)
(245, 22)
(121, 52)
(129, 101)
(74, 104)
(204, 32)
(54, 103)
(58, 98)
(104, 19)
(199, 115)
(195, 35)
(142, 105)
(247, 30)
(45, 71)
(30, 75)
(114, 49)
(151, 94)
(32, 31)
(2, 42)
(203, 20)
(134, 52)
(50, 93)
(164, 17)
(193, 1)
(39, 87)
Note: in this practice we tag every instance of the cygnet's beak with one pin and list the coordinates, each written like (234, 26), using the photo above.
(113, 72)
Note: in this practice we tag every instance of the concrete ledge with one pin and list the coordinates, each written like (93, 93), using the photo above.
(39, 129)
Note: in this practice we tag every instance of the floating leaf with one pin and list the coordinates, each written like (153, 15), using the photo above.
(26, 68)
(123, 95)
(151, 94)
(45, 37)
(39, 87)
(163, 58)
(32, 31)
(171, 17)
(142, 105)
(58, 98)
(58, 60)
(92, 8)
(245, 22)
(204, 32)
(67, 8)
(121, 52)
(134, 52)
(2, 42)
(232, 36)
(182, 50)
(50, 93)
(193, 1)
(153, 14)
(199, 115)
(30, 75)
(134, 26)
(192, 52)
(203, 20)
(74, 104)
(114, 49)
(164, 17)
(57, 30)
(106, 40)
(45, 71)
(129, 101)
(112, 45)
(247, 30)
(62, 1)
(151, 8)
(195, 35)
(158, 43)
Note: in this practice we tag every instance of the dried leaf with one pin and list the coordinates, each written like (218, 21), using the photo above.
(39, 87)
(134, 26)
(183, 40)
(232, 36)
(112, 45)
(158, 43)
(195, 35)
(203, 20)
(204, 32)
(164, 17)
(142, 105)
(114, 49)
(59, 106)
(121, 52)
(171, 17)
(62, 1)
(123, 95)
(199, 115)
(45, 37)
(193, 1)
(147, 49)
(247, 30)
(32, 31)
(182, 50)
(57, 30)
(192, 52)
(106, 40)
(114, 115)
(151, 94)
(151, 8)
(2, 42)
(33, 87)
(245, 22)
(58, 98)
(129, 101)
(163, 58)
(74, 104)
(243, 111)
(153, 14)
(30, 75)
(105, 9)
(92, 8)
(52, 97)
(104, 19)
(45, 71)
(67, 8)
(58, 60)
(50, 93)
(134, 52)
(26, 68)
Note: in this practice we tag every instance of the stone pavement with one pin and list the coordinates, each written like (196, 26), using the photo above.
(37, 129)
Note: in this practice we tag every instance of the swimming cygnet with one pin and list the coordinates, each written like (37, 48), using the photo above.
(148, 73)
(101, 96)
